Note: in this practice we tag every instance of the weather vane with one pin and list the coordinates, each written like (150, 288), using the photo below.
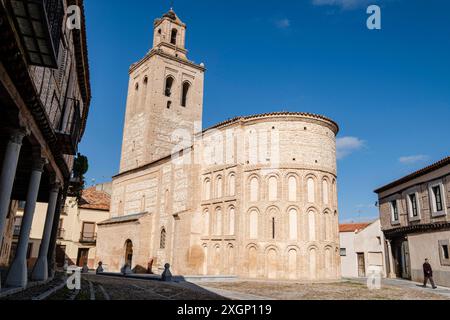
(171, 4)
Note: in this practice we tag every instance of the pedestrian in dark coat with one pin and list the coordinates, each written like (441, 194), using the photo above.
(428, 274)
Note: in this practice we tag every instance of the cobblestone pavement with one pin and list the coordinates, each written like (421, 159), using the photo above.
(343, 290)
(95, 287)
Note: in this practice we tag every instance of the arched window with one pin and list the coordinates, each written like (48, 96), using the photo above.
(254, 189)
(219, 186)
(184, 97)
(273, 189)
(232, 185)
(218, 222)
(292, 188)
(162, 239)
(206, 223)
(173, 36)
(253, 224)
(325, 192)
(207, 189)
(312, 226)
(168, 88)
(311, 190)
(231, 221)
(293, 225)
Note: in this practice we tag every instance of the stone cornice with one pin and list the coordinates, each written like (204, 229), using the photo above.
(401, 231)
(160, 53)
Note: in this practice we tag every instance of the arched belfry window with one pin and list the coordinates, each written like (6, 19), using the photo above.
(184, 97)
(162, 241)
(168, 87)
(173, 36)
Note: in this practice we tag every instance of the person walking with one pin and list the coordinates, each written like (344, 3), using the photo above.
(428, 274)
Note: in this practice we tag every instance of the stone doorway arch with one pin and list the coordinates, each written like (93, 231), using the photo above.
(129, 252)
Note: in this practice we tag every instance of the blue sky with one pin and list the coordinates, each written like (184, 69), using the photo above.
(388, 89)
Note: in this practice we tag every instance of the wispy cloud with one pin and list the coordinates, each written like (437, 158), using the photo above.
(283, 23)
(344, 4)
(347, 145)
(413, 159)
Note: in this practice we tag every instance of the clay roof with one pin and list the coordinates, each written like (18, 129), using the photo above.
(352, 227)
(274, 114)
(123, 219)
(421, 172)
(95, 200)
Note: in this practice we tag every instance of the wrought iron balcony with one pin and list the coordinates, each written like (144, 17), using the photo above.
(88, 237)
(39, 25)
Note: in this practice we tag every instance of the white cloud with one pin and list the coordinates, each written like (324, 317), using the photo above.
(283, 23)
(347, 145)
(413, 159)
(344, 4)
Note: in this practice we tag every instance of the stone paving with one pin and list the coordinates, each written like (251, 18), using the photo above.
(350, 289)
(101, 287)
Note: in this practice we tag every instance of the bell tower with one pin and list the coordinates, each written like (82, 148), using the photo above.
(165, 97)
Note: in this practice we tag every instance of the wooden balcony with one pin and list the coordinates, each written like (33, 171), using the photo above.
(69, 137)
(38, 24)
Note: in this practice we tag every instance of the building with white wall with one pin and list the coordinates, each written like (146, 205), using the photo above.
(361, 249)
(77, 231)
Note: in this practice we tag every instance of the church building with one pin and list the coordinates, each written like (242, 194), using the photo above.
(252, 197)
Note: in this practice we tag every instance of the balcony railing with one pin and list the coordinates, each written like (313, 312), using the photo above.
(88, 237)
(16, 231)
(61, 233)
(39, 24)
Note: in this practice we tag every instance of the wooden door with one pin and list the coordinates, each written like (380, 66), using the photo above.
(83, 256)
(361, 265)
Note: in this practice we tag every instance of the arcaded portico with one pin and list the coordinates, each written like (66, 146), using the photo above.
(254, 196)
(44, 103)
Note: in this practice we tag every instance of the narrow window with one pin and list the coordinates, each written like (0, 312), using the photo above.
(413, 201)
(273, 189)
(438, 198)
(168, 88)
(311, 190)
(343, 252)
(173, 37)
(445, 252)
(273, 228)
(184, 97)
(394, 210)
(254, 189)
(162, 242)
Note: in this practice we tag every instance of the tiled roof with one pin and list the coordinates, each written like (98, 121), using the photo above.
(123, 219)
(274, 114)
(352, 227)
(421, 172)
(95, 200)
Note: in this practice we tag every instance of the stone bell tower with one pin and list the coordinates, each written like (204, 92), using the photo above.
(165, 97)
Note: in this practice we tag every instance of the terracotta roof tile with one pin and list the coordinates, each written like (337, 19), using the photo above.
(352, 227)
(430, 168)
(95, 200)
